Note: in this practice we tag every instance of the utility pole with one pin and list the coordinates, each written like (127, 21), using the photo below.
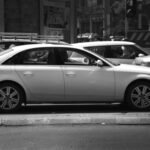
(73, 21)
(140, 14)
(126, 20)
(106, 17)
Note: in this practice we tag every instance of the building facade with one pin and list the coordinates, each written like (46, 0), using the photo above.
(46, 17)
(68, 18)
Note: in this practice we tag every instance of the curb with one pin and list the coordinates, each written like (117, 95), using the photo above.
(76, 119)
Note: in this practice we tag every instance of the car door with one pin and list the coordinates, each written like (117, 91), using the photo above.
(85, 81)
(40, 74)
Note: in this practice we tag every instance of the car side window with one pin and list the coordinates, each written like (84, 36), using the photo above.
(134, 51)
(68, 56)
(34, 57)
(97, 49)
(108, 53)
(37, 56)
(116, 51)
(125, 52)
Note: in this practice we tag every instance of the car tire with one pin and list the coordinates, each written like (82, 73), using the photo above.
(138, 95)
(11, 97)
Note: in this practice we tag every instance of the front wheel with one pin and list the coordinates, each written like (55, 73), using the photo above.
(10, 97)
(138, 95)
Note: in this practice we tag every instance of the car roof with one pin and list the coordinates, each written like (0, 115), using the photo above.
(22, 48)
(30, 46)
(103, 43)
(16, 49)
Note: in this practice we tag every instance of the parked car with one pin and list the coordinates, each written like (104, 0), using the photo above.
(116, 51)
(44, 73)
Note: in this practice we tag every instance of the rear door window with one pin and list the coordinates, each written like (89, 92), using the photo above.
(39, 56)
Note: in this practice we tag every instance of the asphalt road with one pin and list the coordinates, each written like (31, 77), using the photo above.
(95, 137)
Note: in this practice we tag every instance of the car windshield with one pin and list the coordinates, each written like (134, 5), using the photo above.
(5, 52)
(142, 49)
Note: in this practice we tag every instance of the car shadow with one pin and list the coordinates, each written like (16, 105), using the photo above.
(61, 109)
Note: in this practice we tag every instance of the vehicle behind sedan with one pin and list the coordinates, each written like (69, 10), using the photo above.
(46, 73)
(116, 51)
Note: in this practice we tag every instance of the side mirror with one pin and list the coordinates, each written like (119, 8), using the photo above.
(99, 63)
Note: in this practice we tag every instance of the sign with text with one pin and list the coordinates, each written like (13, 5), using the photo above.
(54, 17)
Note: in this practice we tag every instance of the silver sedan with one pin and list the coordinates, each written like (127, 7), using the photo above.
(46, 73)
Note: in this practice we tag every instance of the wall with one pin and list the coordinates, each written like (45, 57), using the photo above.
(22, 16)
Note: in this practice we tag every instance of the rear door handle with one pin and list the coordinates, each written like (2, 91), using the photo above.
(71, 74)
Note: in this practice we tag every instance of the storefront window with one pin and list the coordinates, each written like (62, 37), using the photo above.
(55, 18)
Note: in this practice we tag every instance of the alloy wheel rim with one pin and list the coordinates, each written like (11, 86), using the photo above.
(140, 96)
(9, 98)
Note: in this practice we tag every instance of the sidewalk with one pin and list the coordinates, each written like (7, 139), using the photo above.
(140, 118)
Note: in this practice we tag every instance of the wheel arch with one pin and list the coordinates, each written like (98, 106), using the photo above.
(133, 82)
(17, 84)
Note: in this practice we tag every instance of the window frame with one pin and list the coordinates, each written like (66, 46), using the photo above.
(81, 53)
(17, 58)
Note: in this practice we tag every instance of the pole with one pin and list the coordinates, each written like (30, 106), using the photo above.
(91, 28)
(126, 21)
(106, 17)
(2, 20)
(73, 21)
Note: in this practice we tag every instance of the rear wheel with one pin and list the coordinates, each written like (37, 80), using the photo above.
(138, 95)
(11, 97)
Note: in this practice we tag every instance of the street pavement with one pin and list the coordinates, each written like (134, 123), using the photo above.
(75, 114)
(75, 137)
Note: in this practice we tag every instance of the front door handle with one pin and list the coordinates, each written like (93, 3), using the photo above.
(28, 73)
